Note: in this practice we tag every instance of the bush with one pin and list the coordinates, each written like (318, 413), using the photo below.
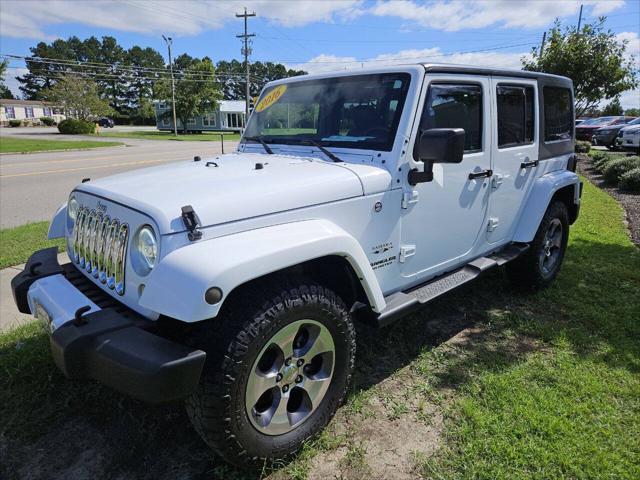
(582, 147)
(602, 159)
(616, 168)
(48, 121)
(630, 181)
(72, 126)
(15, 123)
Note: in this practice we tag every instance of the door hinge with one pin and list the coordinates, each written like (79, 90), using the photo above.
(492, 224)
(406, 251)
(409, 198)
(497, 180)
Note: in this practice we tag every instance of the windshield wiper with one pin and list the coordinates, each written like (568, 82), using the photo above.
(266, 147)
(322, 149)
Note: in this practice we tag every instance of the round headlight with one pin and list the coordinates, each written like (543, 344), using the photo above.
(147, 247)
(72, 212)
(72, 208)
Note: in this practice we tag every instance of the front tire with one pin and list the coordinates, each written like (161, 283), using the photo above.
(539, 266)
(276, 373)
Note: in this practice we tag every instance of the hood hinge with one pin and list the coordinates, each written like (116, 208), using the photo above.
(191, 222)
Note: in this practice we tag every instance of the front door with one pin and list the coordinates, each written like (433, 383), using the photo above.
(442, 228)
(515, 153)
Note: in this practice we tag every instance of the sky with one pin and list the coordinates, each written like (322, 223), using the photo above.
(318, 35)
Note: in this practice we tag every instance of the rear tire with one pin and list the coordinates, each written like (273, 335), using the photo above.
(539, 266)
(247, 351)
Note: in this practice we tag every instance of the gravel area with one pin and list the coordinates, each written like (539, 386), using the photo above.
(629, 201)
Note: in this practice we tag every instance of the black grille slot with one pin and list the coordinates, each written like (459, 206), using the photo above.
(95, 293)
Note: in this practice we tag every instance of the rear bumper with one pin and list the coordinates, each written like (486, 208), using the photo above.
(113, 345)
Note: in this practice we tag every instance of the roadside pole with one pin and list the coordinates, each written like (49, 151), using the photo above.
(246, 51)
(169, 41)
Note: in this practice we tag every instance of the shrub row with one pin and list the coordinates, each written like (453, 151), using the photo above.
(72, 126)
(630, 181)
(582, 146)
(48, 121)
(618, 169)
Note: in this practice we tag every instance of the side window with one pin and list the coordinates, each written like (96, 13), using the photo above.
(558, 114)
(515, 115)
(454, 106)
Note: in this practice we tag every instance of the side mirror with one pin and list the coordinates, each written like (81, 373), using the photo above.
(437, 145)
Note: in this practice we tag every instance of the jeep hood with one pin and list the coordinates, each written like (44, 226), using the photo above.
(236, 186)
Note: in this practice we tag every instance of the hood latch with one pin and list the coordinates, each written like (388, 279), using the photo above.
(191, 222)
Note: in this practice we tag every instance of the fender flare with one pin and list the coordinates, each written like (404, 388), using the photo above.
(177, 285)
(57, 227)
(541, 194)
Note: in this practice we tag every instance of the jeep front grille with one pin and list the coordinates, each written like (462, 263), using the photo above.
(99, 247)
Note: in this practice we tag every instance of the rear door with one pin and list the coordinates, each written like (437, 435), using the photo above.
(514, 152)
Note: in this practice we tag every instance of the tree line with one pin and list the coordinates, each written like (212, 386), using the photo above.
(127, 81)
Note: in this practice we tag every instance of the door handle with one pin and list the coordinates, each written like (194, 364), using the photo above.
(529, 164)
(482, 173)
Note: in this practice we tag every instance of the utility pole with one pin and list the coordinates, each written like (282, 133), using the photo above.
(246, 51)
(169, 41)
(580, 19)
(544, 37)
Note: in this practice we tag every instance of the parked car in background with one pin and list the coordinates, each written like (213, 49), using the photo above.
(607, 136)
(586, 129)
(105, 122)
(580, 120)
(629, 138)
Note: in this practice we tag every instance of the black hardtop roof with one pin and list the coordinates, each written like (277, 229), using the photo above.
(472, 70)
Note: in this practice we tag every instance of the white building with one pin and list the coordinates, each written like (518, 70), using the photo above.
(29, 111)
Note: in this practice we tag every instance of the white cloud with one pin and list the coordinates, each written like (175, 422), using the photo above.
(29, 19)
(458, 15)
(327, 63)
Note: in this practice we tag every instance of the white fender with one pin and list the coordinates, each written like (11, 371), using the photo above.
(177, 285)
(57, 227)
(543, 190)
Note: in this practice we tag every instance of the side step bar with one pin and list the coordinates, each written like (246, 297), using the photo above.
(401, 303)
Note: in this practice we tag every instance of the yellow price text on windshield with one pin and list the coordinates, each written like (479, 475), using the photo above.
(270, 98)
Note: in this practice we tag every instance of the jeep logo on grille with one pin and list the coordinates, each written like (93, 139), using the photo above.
(101, 207)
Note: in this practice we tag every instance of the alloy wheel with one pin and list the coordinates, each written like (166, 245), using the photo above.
(290, 377)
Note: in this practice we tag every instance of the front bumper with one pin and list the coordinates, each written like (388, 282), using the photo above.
(94, 336)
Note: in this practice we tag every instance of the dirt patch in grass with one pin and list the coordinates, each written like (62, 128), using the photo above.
(629, 201)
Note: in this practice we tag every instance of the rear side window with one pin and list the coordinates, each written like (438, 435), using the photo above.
(454, 106)
(558, 114)
(515, 115)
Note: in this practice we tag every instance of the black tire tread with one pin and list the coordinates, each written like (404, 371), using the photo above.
(524, 272)
(246, 315)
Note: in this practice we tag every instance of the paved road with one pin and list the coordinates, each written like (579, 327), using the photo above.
(33, 185)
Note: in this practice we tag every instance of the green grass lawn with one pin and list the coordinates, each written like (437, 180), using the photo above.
(157, 135)
(547, 385)
(570, 408)
(17, 244)
(28, 145)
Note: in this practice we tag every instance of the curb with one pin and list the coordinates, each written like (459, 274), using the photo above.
(64, 150)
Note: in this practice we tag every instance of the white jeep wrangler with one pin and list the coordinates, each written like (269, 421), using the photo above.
(233, 282)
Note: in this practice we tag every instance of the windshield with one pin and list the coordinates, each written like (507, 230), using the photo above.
(351, 112)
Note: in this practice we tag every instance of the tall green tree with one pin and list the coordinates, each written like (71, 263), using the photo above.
(197, 90)
(146, 67)
(4, 90)
(125, 78)
(592, 57)
(232, 77)
(613, 108)
(78, 96)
